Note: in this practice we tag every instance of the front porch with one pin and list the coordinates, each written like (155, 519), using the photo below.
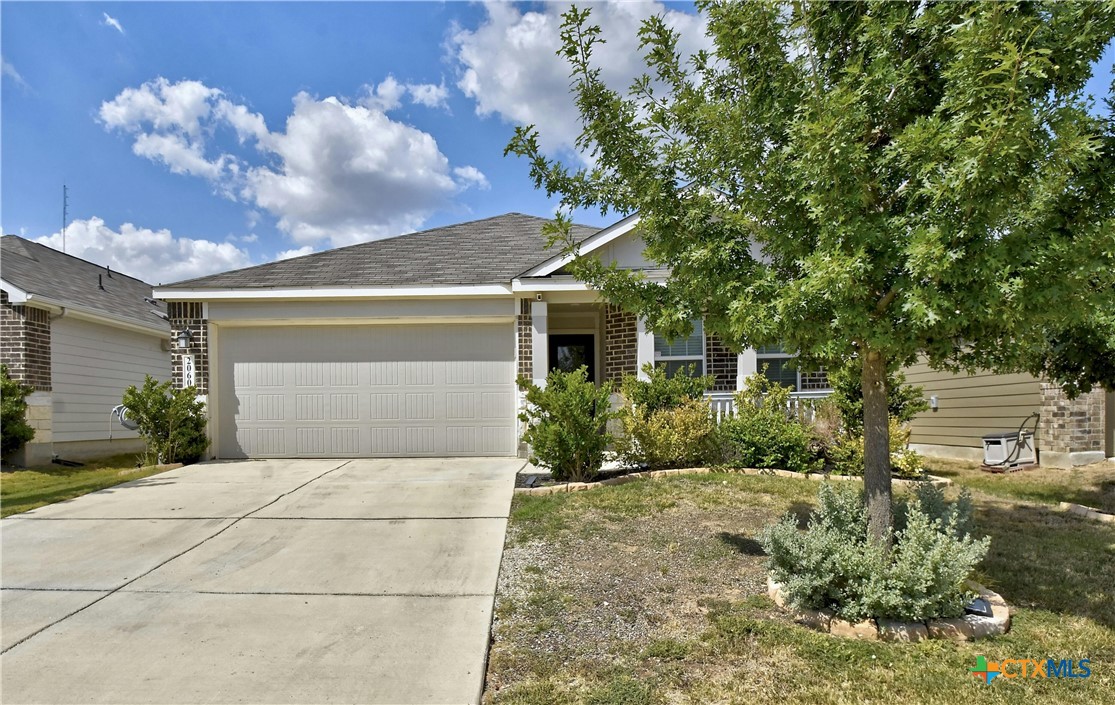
(564, 330)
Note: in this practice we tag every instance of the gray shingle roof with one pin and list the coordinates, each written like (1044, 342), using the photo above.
(489, 251)
(70, 281)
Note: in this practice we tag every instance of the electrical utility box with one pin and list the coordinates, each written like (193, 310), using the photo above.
(1009, 449)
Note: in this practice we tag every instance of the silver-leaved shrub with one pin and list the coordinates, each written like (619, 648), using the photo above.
(832, 565)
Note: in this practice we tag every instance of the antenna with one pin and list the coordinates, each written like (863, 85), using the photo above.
(65, 204)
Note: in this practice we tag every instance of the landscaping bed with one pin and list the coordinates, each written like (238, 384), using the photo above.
(655, 592)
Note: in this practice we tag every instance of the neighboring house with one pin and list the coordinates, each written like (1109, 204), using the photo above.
(411, 345)
(1070, 432)
(78, 334)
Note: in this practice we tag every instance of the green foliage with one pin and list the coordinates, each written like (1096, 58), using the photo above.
(763, 433)
(832, 565)
(567, 424)
(930, 500)
(915, 175)
(669, 437)
(14, 429)
(666, 421)
(661, 392)
(907, 463)
(172, 421)
(846, 455)
(904, 401)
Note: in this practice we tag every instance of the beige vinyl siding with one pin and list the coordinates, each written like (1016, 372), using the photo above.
(971, 405)
(91, 365)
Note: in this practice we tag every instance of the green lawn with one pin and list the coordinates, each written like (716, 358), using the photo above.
(1091, 485)
(25, 489)
(653, 592)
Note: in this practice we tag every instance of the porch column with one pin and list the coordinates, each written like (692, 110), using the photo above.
(746, 365)
(540, 342)
(644, 348)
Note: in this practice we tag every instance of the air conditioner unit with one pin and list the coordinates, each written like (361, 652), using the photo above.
(1008, 450)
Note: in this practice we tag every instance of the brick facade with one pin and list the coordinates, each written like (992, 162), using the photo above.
(526, 341)
(621, 339)
(25, 343)
(1071, 425)
(723, 364)
(190, 316)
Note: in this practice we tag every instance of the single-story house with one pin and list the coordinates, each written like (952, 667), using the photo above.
(78, 334)
(410, 346)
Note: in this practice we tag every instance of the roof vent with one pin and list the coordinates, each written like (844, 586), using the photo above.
(100, 282)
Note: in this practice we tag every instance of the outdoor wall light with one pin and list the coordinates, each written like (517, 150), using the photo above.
(182, 340)
(933, 402)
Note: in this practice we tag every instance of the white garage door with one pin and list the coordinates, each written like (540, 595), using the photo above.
(366, 391)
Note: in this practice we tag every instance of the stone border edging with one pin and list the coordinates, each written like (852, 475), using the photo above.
(966, 628)
(653, 474)
(1087, 512)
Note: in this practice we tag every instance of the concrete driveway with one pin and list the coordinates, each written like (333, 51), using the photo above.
(308, 581)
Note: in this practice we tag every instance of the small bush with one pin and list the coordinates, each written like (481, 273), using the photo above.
(929, 499)
(907, 464)
(844, 453)
(763, 434)
(832, 565)
(682, 436)
(904, 401)
(14, 429)
(567, 424)
(172, 421)
(658, 391)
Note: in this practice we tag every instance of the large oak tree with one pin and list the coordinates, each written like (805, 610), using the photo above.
(861, 181)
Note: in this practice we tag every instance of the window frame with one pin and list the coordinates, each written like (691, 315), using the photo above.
(761, 357)
(702, 358)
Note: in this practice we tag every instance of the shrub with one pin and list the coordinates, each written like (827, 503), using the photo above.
(832, 565)
(172, 421)
(14, 429)
(763, 433)
(567, 424)
(843, 451)
(661, 392)
(907, 464)
(682, 436)
(904, 401)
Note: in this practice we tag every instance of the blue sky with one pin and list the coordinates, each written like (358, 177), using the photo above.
(198, 137)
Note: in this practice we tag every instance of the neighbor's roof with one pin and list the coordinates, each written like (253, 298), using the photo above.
(65, 280)
(489, 251)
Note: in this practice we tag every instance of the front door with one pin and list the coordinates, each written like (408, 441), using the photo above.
(570, 351)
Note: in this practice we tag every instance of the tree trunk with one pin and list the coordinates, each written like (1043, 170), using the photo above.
(876, 448)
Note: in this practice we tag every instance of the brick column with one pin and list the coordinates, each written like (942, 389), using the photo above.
(620, 343)
(25, 343)
(189, 315)
(1072, 430)
(523, 326)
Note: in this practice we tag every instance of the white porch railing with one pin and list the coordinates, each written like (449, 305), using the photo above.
(801, 404)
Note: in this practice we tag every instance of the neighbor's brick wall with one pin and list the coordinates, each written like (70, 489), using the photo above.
(620, 343)
(190, 315)
(526, 344)
(722, 362)
(25, 343)
(1071, 425)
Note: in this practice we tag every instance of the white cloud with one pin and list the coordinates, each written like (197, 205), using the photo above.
(110, 21)
(509, 66)
(388, 95)
(296, 252)
(429, 94)
(156, 256)
(8, 70)
(350, 174)
(471, 176)
(339, 172)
